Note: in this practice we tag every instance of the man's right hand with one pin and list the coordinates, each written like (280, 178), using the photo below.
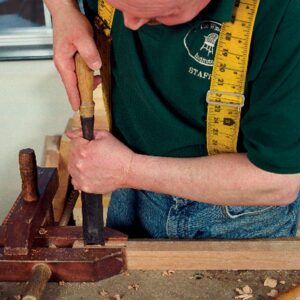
(72, 33)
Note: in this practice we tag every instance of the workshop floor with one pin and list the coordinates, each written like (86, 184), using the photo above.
(168, 285)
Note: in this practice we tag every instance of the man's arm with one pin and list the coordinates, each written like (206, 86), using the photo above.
(71, 33)
(225, 179)
(106, 164)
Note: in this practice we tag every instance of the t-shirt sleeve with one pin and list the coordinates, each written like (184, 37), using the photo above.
(271, 126)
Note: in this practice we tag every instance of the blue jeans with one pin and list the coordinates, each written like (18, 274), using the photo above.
(142, 214)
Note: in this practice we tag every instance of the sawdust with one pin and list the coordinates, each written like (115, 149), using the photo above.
(134, 286)
(42, 231)
(168, 273)
(103, 293)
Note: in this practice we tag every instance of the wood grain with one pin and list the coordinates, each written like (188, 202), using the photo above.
(214, 255)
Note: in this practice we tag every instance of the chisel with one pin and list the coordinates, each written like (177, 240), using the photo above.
(92, 208)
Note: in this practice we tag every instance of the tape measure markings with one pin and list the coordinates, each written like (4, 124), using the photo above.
(225, 98)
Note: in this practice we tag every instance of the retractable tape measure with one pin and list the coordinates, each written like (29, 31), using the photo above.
(225, 98)
(106, 13)
(226, 95)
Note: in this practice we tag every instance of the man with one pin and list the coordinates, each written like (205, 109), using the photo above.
(165, 185)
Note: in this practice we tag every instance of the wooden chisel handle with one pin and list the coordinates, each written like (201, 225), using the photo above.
(92, 209)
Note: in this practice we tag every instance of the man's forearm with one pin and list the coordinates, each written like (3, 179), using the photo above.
(225, 179)
(60, 6)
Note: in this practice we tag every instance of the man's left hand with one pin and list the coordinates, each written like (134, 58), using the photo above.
(99, 166)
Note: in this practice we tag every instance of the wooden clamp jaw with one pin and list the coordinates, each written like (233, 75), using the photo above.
(24, 243)
(31, 207)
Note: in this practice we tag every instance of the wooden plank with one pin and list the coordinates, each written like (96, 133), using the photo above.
(214, 255)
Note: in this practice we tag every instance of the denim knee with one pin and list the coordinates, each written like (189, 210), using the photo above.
(138, 213)
(148, 214)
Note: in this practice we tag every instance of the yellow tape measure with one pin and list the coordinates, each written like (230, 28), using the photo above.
(226, 95)
(106, 13)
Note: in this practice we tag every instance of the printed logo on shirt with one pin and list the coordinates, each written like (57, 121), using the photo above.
(200, 43)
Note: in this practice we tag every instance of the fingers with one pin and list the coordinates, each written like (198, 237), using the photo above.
(64, 62)
(77, 133)
(77, 154)
(73, 134)
(76, 37)
(89, 53)
(99, 134)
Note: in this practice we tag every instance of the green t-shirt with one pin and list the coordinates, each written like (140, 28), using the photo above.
(161, 75)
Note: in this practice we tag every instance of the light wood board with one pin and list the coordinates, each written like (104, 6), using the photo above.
(214, 255)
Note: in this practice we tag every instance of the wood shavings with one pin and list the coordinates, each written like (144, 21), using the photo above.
(134, 286)
(42, 231)
(126, 273)
(239, 291)
(273, 293)
(117, 297)
(168, 273)
(244, 293)
(18, 297)
(282, 281)
(61, 283)
(270, 282)
(243, 297)
(247, 289)
(103, 293)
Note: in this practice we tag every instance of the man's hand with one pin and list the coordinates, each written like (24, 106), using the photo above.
(99, 166)
(72, 33)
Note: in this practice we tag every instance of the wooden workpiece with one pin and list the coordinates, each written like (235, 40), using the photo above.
(273, 254)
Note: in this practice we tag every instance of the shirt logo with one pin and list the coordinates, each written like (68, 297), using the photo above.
(201, 40)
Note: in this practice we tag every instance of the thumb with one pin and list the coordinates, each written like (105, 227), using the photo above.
(73, 134)
(99, 134)
(89, 52)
